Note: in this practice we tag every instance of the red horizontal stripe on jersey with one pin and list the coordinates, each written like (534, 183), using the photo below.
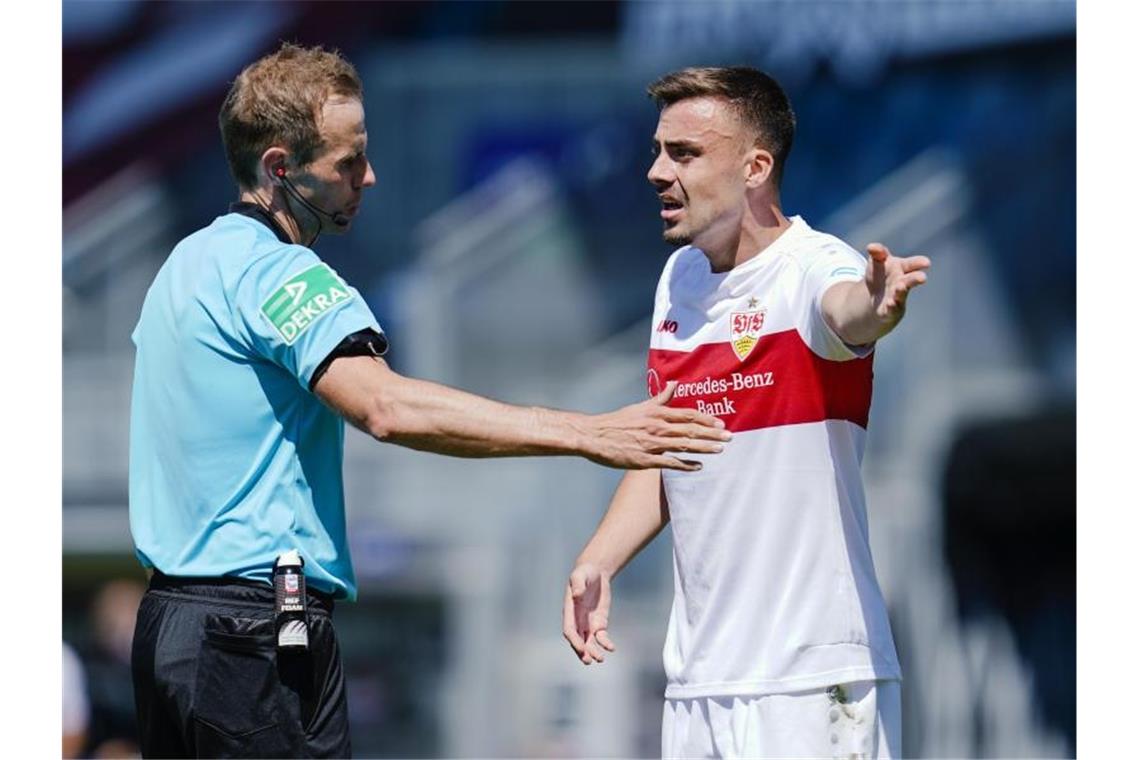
(781, 382)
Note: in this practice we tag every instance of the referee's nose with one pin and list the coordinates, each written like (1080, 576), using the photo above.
(369, 176)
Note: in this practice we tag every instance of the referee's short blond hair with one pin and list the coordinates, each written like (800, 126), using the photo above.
(277, 100)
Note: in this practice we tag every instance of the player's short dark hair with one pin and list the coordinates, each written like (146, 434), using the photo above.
(756, 97)
(277, 100)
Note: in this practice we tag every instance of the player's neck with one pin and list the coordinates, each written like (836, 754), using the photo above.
(760, 226)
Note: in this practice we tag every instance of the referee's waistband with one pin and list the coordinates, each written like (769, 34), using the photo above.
(230, 587)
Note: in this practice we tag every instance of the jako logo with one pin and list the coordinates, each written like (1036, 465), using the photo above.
(667, 326)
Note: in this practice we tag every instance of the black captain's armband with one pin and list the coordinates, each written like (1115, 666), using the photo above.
(366, 342)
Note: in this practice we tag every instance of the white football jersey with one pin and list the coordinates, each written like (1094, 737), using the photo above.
(775, 590)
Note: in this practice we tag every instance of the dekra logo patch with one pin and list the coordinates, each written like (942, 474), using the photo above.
(303, 299)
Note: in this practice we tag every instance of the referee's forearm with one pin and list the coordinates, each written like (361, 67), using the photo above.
(431, 417)
(428, 416)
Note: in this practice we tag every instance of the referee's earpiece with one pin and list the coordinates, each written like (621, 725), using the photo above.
(279, 172)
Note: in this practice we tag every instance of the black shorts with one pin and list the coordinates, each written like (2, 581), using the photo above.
(209, 681)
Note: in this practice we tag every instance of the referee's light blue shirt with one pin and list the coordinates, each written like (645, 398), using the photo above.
(233, 459)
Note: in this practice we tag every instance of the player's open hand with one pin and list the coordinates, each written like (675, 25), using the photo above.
(652, 434)
(586, 614)
(890, 279)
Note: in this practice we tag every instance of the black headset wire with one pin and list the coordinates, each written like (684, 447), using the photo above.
(290, 190)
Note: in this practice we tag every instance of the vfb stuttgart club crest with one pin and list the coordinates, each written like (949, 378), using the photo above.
(746, 327)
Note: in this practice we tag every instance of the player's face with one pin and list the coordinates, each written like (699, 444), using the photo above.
(336, 178)
(699, 171)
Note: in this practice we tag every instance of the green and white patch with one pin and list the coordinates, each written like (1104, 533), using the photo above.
(303, 299)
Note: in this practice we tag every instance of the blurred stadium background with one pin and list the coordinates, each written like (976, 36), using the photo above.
(511, 247)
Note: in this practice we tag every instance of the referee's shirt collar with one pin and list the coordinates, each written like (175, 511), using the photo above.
(253, 211)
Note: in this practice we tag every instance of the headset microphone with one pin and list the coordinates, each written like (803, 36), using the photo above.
(337, 218)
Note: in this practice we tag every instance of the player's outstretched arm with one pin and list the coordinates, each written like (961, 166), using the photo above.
(432, 417)
(637, 513)
(862, 312)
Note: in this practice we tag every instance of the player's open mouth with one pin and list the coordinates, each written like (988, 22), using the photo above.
(671, 209)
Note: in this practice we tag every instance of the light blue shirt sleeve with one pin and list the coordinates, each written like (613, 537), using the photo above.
(293, 309)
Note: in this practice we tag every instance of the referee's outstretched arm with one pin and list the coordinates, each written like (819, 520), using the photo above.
(432, 417)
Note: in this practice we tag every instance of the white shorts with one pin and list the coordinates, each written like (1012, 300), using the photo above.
(853, 721)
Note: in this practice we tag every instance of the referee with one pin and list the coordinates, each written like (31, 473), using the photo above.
(251, 353)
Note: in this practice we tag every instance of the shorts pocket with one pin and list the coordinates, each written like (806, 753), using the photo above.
(237, 706)
(853, 719)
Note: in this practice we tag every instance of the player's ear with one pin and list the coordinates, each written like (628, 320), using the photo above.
(759, 166)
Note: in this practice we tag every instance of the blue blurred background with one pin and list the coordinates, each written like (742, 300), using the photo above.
(511, 247)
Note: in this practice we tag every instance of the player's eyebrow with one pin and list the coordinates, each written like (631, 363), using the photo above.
(675, 144)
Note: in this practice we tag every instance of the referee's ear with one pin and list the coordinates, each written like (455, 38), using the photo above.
(273, 159)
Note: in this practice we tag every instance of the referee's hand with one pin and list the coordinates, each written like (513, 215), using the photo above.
(586, 614)
(652, 434)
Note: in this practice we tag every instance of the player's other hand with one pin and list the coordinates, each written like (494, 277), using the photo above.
(652, 435)
(890, 279)
(586, 613)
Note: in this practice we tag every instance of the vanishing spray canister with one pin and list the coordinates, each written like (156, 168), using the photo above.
(289, 590)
